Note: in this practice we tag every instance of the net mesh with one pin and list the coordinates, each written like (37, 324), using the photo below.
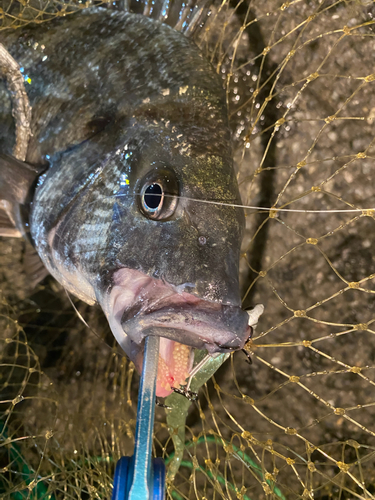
(299, 422)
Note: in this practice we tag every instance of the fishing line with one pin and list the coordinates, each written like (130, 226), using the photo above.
(367, 211)
(81, 318)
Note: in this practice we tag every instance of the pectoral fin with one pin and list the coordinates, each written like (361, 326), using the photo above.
(17, 179)
(17, 182)
(7, 224)
(34, 267)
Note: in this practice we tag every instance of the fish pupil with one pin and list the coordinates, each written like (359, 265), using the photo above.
(153, 196)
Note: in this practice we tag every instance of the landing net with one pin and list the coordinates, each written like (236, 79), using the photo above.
(299, 422)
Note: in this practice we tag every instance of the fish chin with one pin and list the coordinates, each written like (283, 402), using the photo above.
(138, 305)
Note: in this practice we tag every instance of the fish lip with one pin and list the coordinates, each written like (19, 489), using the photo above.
(168, 304)
(201, 325)
(136, 302)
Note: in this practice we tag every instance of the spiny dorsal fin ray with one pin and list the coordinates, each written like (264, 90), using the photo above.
(185, 16)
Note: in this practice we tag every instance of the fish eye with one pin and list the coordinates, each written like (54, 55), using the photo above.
(158, 194)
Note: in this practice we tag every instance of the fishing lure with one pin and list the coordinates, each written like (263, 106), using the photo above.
(129, 128)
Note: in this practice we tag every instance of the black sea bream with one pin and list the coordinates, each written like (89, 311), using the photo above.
(129, 122)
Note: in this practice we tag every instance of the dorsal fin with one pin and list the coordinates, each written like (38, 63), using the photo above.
(185, 16)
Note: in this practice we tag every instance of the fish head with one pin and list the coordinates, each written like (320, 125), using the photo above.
(150, 227)
(178, 228)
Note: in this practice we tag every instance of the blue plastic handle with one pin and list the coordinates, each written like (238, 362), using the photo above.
(124, 476)
(159, 479)
(120, 483)
(139, 477)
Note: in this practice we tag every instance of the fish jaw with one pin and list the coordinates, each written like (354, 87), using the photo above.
(138, 305)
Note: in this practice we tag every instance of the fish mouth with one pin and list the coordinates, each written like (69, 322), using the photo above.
(181, 328)
(139, 305)
(184, 318)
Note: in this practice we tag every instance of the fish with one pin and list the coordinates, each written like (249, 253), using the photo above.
(129, 140)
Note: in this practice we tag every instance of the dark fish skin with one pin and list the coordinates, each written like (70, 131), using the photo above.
(118, 98)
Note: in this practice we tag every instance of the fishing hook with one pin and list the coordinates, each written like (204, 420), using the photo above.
(248, 357)
(161, 405)
(190, 395)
